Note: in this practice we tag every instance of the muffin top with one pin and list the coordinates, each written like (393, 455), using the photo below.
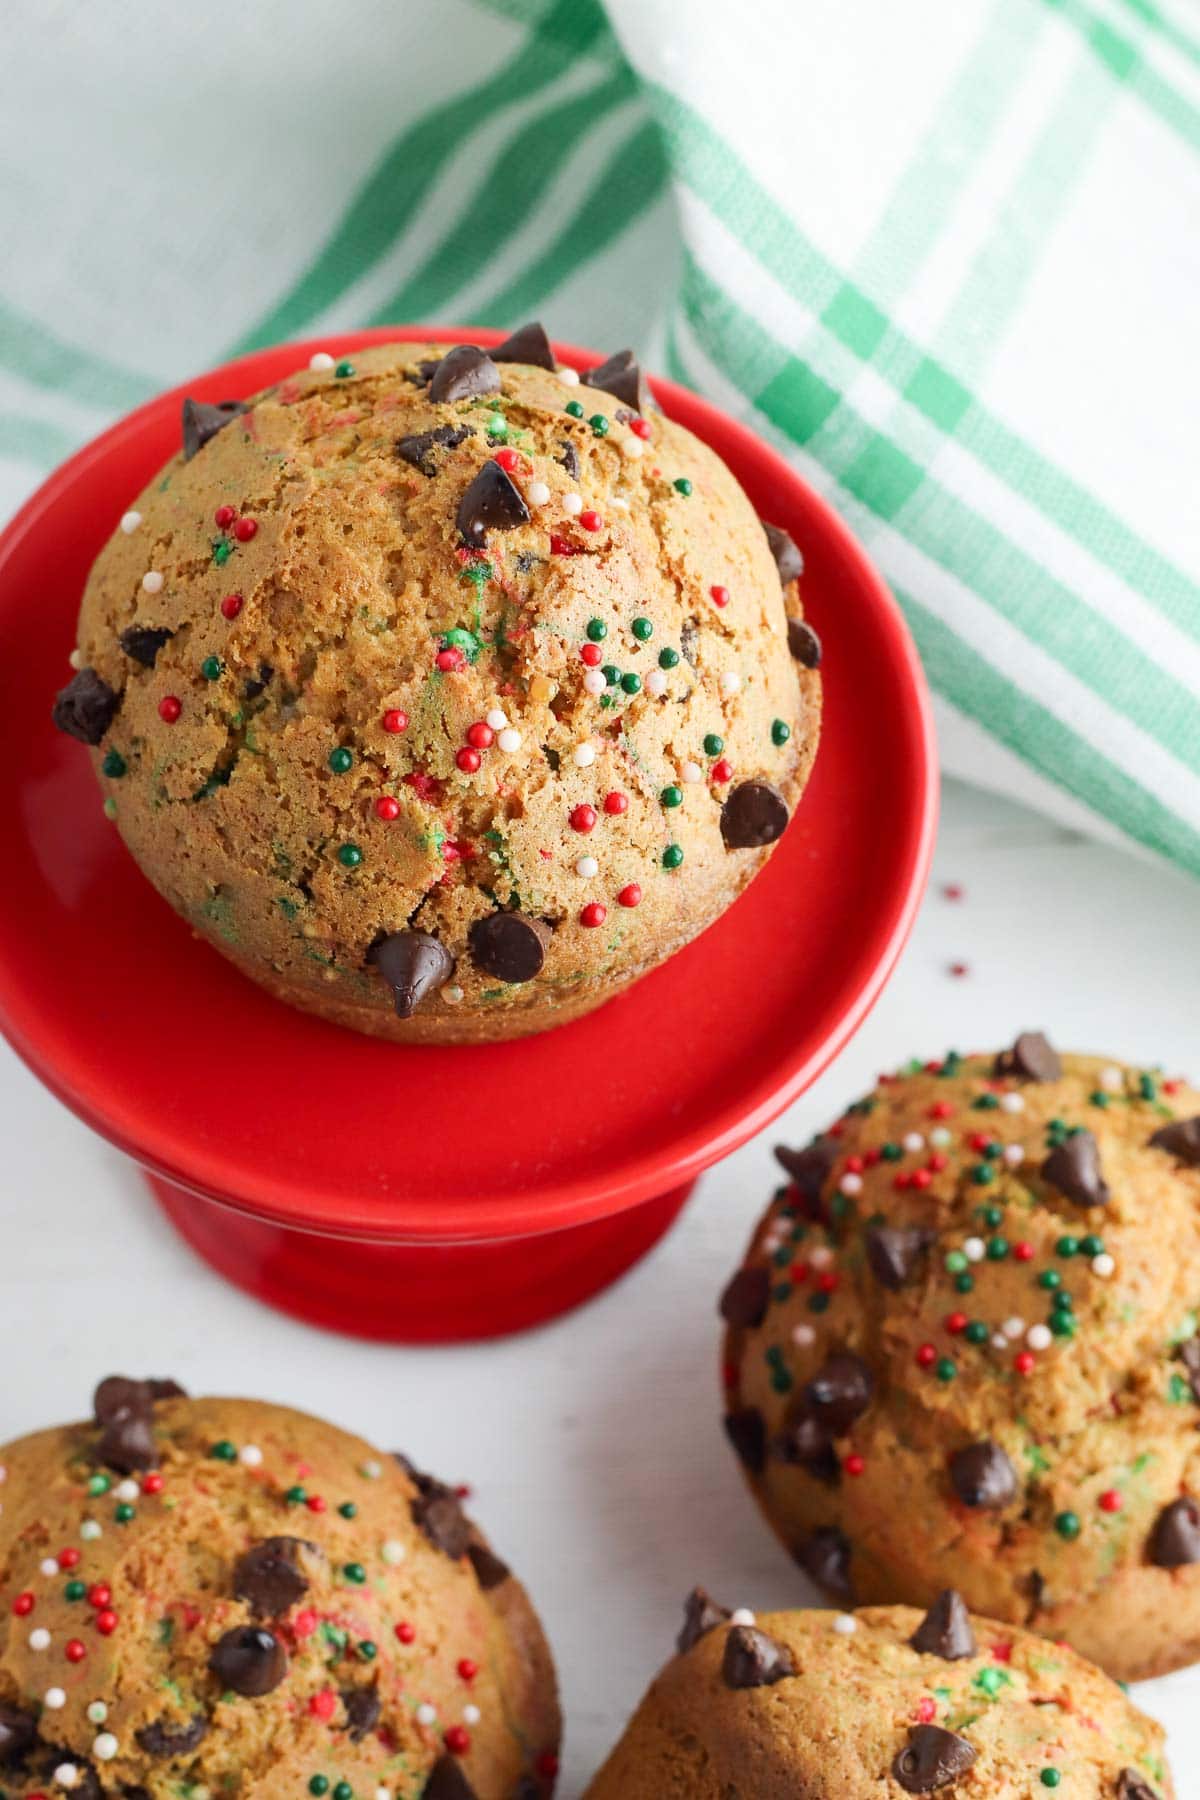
(446, 679)
(878, 1704)
(212, 1597)
(966, 1336)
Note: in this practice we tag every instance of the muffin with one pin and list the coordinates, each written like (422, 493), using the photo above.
(877, 1704)
(963, 1350)
(222, 1597)
(443, 692)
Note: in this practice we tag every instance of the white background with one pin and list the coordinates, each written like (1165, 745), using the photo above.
(593, 1447)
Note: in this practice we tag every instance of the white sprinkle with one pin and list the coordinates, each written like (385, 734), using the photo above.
(97, 1712)
(1038, 1337)
(914, 1142)
(1103, 1265)
(656, 683)
(851, 1184)
(509, 739)
(742, 1616)
(587, 867)
(251, 1455)
(1014, 1328)
(382, 1793)
(130, 522)
(471, 1715)
(633, 447)
(845, 1625)
(1012, 1103)
(393, 1552)
(90, 1530)
(39, 1638)
(691, 771)
(619, 503)
(999, 1341)
(49, 1566)
(803, 1335)
(55, 1699)
(939, 1137)
(452, 993)
(821, 1256)
(594, 681)
(426, 1714)
(76, 659)
(537, 493)
(772, 1242)
(1111, 1079)
(731, 682)
(974, 1249)
(497, 718)
(1014, 1155)
(585, 756)
(320, 359)
(371, 1470)
(126, 1490)
(152, 581)
(572, 504)
(105, 1747)
(67, 1775)
(570, 376)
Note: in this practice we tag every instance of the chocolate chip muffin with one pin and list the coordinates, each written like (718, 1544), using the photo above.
(212, 1597)
(963, 1350)
(877, 1704)
(443, 692)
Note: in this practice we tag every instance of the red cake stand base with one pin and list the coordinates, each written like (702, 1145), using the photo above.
(416, 1193)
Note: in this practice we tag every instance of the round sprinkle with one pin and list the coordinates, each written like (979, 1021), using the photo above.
(974, 1249)
(471, 1715)
(39, 1638)
(671, 797)
(731, 682)
(630, 896)
(672, 857)
(780, 731)
(90, 1530)
(593, 915)
(152, 581)
(1038, 1337)
(245, 529)
(574, 408)
(691, 771)
(343, 370)
(130, 522)
(1103, 1265)
(632, 448)
(250, 1455)
(1014, 1156)
(1012, 1103)
(582, 818)
(452, 994)
(939, 1137)
(395, 720)
(631, 682)
(845, 1624)
(341, 760)
(318, 1785)
(426, 1714)
(597, 630)
(656, 683)
(642, 629)
(126, 1490)
(97, 1712)
(54, 1699)
(682, 485)
(210, 668)
(851, 1184)
(104, 1747)
(594, 681)
(585, 756)
(49, 1566)
(354, 1572)
(350, 856)
(231, 606)
(1112, 1080)
(713, 744)
(1050, 1777)
(572, 504)
(599, 424)
(1068, 1525)
(320, 359)
(570, 376)
(587, 867)
(508, 740)
(537, 493)
(67, 1775)
(742, 1616)
(497, 718)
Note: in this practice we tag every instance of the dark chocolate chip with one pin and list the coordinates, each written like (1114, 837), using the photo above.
(253, 685)
(142, 643)
(825, 1558)
(569, 458)
(202, 422)
(489, 1569)
(896, 1253)
(161, 1387)
(117, 1396)
(439, 1514)
(754, 815)
(363, 1708)
(447, 1782)
(1180, 1139)
(1033, 1057)
(621, 377)
(463, 374)
(788, 559)
(1074, 1169)
(932, 1759)
(1132, 1786)
(413, 963)
(744, 1302)
(163, 1740)
(804, 644)
(528, 344)
(752, 1659)
(509, 946)
(1189, 1356)
(747, 1432)
(809, 1168)
(945, 1630)
(268, 1577)
(128, 1444)
(18, 1732)
(1175, 1540)
(701, 1614)
(86, 707)
(423, 372)
(250, 1660)
(840, 1391)
(493, 502)
(982, 1475)
(419, 446)
(808, 1445)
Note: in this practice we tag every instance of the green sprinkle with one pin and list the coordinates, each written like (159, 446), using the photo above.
(1067, 1525)
(1051, 1777)
(611, 674)
(114, 765)
(682, 485)
(1179, 1390)
(632, 682)
(1098, 1098)
(574, 408)
(295, 1496)
(368, 1651)
(497, 426)
(671, 796)
(781, 1381)
(982, 1173)
(1063, 1302)
(123, 1513)
(819, 1303)
(1062, 1324)
(997, 1249)
(956, 1261)
(354, 1572)
(780, 731)
(222, 551)
(599, 424)
(344, 370)
(348, 1509)
(343, 1791)
(1148, 1087)
(223, 1451)
(319, 1784)
(210, 668)
(993, 1216)
(976, 1332)
(964, 1283)
(597, 630)
(946, 1369)
(713, 745)
(672, 856)
(642, 629)
(1091, 1245)
(668, 658)
(1049, 1278)
(350, 856)
(986, 1103)
(457, 638)
(891, 1152)
(340, 760)
(98, 1484)
(990, 1681)
(1067, 1246)
(75, 1590)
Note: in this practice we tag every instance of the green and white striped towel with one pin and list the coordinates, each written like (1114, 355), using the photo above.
(945, 254)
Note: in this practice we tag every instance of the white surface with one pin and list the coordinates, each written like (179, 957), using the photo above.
(593, 1446)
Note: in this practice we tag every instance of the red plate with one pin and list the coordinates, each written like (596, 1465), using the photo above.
(299, 1127)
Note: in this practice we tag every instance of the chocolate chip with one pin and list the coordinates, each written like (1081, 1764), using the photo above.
(528, 344)
(1180, 1139)
(493, 502)
(419, 446)
(621, 377)
(161, 1387)
(165, 1741)
(363, 1708)
(117, 1396)
(1189, 1356)
(569, 458)
(701, 1614)
(809, 1168)
(413, 963)
(202, 422)
(509, 946)
(945, 1630)
(788, 559)
(86, 707)
(931, 1759)
(438, 1513)
(268, 1577)
(840, 1391)
(1074, 1169)
(747, 1432)
(825, 1558)
(895, 1253)
(1131, 1786)
(18, 1732)
(253, 685)
(804, 644)
(689, 640)
(808, 1445)
(1033, 1057)
(142, 643)
(463, 374)
(490, 1571)
(752, 1659)
(447, 1782)
(250, 1660)
(982, 1475)
(1175, 1540)
(754, 815)
(128, 1444)
(744, 1302)
(422, 373)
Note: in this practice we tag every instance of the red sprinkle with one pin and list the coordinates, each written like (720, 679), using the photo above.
(232, 605)
(224, 516)
(169, 708)
(955, 1322)
(926, 1710)
(1023, 1251)
(854, 1165)
(467, 1669)
(507, 459)
(68, 1559)
(593, 914)
(630, 896)
(450, 658)
(591, 654)
(305, 1623)
(74, 1650)
(457, 1739)
(323, 1704)
(468, 759)
(405, 1632)
(24, 1604)
(561, 546)
(941, 1109)
(926, 1356)
(1002, 1652)
(387, 807)
(151, 1484)
(799, 1272)
(720, 595)
(590, 519)
(547, 1764)
(481, 735)
(938, 1161)
(722, 772)
(1111, 1501)
(583, 818)
(828, 1280)
(315, 1503)
(640, 427)
(395, 719)
(245, 529)
(920, 1178)
(99, 1594)
(854, 1464)
(615, 802)
(1025, 1362)
(106, 1622)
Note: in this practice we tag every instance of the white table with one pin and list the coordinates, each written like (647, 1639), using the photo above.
(593, 1446)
